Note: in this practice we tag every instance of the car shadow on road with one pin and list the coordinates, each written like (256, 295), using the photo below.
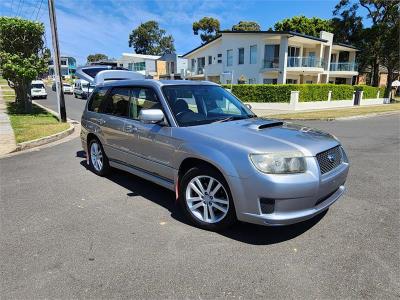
(242, 232)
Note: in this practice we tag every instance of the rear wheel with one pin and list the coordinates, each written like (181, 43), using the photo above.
(98, 160)
(206, 199)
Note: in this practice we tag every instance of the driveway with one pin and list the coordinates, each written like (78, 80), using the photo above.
(66, 233)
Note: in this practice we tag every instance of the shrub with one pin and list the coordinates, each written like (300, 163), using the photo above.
(273, 93)
(370, 92)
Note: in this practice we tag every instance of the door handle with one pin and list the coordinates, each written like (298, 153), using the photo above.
(130, 128)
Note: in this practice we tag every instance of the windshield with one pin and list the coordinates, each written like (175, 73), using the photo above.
(37, 86)
(85, 86)
(203, 104)
(66, 84)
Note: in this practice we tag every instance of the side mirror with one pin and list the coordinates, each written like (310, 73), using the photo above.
(248, 106)
(151, 115)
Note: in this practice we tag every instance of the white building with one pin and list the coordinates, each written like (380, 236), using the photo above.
(145, 64)
(272, 57)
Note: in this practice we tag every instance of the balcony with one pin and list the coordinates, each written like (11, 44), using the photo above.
(346, 66)
(271, 63)
(305, 62)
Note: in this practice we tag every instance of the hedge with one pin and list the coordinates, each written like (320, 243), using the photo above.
(307, 92)
(370, 92)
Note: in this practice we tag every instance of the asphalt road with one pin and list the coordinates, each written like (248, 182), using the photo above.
(67, 233)
(74, 106)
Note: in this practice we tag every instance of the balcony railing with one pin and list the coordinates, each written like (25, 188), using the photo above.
(305, 62)
(271, 63)
(347, 66)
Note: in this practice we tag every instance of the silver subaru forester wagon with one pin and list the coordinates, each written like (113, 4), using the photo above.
(224, 163)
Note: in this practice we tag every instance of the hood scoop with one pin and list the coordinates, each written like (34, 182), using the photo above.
(266, 125)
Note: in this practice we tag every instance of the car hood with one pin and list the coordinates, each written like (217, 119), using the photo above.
(258, 135)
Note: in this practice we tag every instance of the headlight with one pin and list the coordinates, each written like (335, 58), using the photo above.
(280, 163)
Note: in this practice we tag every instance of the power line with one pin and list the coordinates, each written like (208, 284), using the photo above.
(12, 4)
(17, 11)
(40, 7)
(33, 10)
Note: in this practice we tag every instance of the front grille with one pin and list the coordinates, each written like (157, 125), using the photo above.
(329, 159)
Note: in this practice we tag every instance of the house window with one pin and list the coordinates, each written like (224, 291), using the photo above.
(228, 81)
(291, 81)
(293, 51)
(130, 66)
(241, 56)
(140, 66)
(121, 65)
(210, 60)
(193, 64)
(219, 58)
(253, 54)
(172, 67)
(271, 56)
(229, 57)
(252, 81)
(270, 80)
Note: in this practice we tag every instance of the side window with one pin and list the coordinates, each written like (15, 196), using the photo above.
(143, 98)
(117, 102)
(97, 98)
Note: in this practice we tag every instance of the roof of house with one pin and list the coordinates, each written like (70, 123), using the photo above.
(259, 32)
(141, 55)
(345, 45)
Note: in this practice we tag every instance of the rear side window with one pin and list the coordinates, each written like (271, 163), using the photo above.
(97, 98)
(117, 102)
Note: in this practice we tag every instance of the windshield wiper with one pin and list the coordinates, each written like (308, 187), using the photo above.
(230, 118)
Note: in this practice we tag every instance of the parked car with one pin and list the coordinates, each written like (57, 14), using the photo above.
(67, 88)
(82, 89)
(38, 90)
(223, 162)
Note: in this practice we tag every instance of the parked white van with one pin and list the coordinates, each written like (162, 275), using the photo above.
(38, 90)
(82, 88)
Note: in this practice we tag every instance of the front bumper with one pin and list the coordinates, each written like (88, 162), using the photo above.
(295, 197)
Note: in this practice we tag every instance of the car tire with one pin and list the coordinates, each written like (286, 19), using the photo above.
(207, 211)
(98, 161)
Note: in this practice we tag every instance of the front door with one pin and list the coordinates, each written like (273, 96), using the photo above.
(153, 148)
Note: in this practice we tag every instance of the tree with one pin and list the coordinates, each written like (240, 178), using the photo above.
(246, 26)
(22, 56)
(304, 25)
(208, 26)
(96, 57)
(376, 50)
(149, 38)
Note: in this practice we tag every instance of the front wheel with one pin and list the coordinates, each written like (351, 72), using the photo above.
(206, 199)
(98, 160)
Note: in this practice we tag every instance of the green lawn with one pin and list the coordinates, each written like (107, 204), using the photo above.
(32, 126)
(330, 114)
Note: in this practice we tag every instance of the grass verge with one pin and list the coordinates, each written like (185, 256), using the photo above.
(38, 124)
(331, 114)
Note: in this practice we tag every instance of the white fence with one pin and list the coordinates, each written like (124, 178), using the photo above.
(294, 103)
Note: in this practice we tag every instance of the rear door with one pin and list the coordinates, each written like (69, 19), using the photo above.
(113, 113)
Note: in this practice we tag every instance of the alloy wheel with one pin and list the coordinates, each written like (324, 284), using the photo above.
(96, 156)
(207, 199)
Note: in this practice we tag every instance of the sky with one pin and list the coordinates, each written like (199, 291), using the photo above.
(103, 26)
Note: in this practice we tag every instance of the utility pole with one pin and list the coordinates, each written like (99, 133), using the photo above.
(57, 63)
